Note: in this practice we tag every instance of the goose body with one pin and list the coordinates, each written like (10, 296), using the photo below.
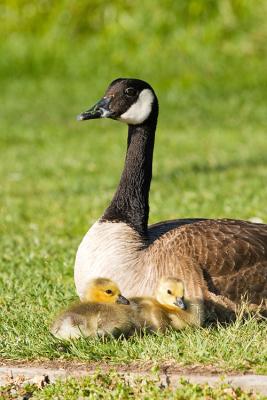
(103, 311)
(222, 259)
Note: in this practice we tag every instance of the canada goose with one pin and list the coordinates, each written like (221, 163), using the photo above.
(224, 257)
(97, 314)
(170, 307)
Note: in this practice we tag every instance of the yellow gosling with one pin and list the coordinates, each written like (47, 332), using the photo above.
(103, 290)
(103, 311)
(182, 309)
(171, 307)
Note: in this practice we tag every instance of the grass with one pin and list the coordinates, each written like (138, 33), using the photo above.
(116, 386)
(234, 348)
(58, 175)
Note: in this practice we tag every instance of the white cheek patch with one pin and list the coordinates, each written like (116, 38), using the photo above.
(140, 110)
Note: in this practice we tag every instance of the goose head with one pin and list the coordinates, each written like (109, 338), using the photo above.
(103, 290)
(131, 101)
(170, 293)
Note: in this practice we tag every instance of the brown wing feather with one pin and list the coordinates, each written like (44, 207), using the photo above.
(231, 253)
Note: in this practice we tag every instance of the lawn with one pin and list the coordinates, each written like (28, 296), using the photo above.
(58, 175)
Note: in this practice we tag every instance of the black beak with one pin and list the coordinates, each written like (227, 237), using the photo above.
(99, 110)
(122, 300)
(179, 302)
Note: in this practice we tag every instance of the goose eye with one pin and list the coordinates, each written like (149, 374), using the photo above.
(108, 291)
(130, 91)
(169, 291)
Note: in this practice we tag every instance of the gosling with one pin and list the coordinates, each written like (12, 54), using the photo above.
(103, 311)
(170, 308)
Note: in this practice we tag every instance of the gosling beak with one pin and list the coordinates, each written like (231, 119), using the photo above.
(122, 300)
(179, 302)
(99, 110)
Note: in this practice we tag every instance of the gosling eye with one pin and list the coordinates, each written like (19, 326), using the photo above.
(108, 291)
(130, 92)
(169, 291)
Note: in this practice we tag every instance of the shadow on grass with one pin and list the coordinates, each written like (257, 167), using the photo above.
(206, 168)
(260, 160)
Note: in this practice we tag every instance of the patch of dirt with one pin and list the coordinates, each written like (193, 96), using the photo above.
(166, 367)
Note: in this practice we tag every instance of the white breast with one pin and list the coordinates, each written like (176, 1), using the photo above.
(110, 250)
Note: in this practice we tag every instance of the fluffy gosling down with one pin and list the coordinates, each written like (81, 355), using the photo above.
(103, 311)
(170, 308)
(99, 315)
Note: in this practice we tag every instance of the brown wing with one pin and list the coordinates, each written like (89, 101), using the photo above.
(231, 253)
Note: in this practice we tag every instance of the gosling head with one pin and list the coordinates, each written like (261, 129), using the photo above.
(170, 293)
(131, 101)
(103, 290)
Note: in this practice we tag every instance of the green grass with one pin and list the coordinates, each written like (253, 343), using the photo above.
(116, 386)
(58, 175)
(234, 348)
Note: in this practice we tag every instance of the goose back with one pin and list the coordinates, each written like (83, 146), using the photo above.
(231, 254)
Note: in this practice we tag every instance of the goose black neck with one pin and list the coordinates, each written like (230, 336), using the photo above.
(130, 203)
